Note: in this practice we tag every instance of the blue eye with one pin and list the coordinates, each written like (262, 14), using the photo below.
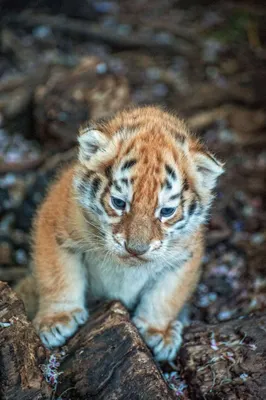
(118, 203)
(167, 212)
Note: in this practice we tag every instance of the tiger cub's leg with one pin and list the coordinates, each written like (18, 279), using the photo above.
(61, 287)
(156, 317)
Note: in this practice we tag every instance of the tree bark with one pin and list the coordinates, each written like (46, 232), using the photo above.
(21, 352)
(106, 359)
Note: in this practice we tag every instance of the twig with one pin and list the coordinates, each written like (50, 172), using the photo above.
(22, 166)
(164, 24)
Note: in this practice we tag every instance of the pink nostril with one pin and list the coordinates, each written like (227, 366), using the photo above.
(137, 249)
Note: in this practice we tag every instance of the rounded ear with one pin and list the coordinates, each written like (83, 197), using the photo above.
(90, 141)
(208, 168)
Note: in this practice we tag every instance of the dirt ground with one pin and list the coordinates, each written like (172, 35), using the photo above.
(205, 60)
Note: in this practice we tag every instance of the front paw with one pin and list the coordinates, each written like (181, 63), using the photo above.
(164, 343)
(55, 328)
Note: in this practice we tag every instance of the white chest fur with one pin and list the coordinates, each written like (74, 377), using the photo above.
(107, 280)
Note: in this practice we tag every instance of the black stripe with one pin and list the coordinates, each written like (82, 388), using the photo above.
(109, 211)
(213, 159)
(97, 210)
(200, 207)
(182, 208)
(168, 184)
(117, 187)
(191, 210)
(95, 186)
(182, 201)
(175, 196)
(177, 228)
(105, 191)
(90, 149)
(128, 164)
(108, 172)
(84, 185)
(181, 138)
(170, 171)
(192, 207)
(199, 210)
(185, 185)
(125, 181)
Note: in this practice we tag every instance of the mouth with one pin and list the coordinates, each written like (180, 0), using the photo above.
(132, 258)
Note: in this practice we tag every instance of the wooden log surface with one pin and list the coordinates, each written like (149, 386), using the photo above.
(21, 352)
(226, 361)
(106, 359)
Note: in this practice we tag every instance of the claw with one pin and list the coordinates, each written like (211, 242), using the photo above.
(55, 329)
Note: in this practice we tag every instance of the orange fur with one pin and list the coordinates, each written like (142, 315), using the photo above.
(86, 245)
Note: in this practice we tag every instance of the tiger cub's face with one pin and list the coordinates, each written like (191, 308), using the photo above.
(144, 182)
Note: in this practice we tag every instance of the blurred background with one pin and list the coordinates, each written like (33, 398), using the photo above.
(64, 62)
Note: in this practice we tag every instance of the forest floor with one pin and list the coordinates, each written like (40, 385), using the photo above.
(206, 62)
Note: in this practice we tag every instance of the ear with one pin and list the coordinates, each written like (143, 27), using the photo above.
(208, 168)
(90, 141)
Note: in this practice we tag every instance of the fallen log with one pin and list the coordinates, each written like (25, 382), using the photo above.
(106, 359)
(226, 361)
(21, 352)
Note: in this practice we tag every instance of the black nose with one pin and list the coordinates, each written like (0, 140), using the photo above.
(137, 249)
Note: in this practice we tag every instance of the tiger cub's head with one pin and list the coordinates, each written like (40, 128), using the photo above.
(144, 182)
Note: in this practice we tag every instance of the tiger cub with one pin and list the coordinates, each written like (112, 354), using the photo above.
(125, 222)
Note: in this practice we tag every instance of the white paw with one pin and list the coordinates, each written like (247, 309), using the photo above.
(55, 328)
(164, 343)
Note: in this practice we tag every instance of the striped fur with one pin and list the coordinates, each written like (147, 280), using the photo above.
(125, 222)
(153, 162)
